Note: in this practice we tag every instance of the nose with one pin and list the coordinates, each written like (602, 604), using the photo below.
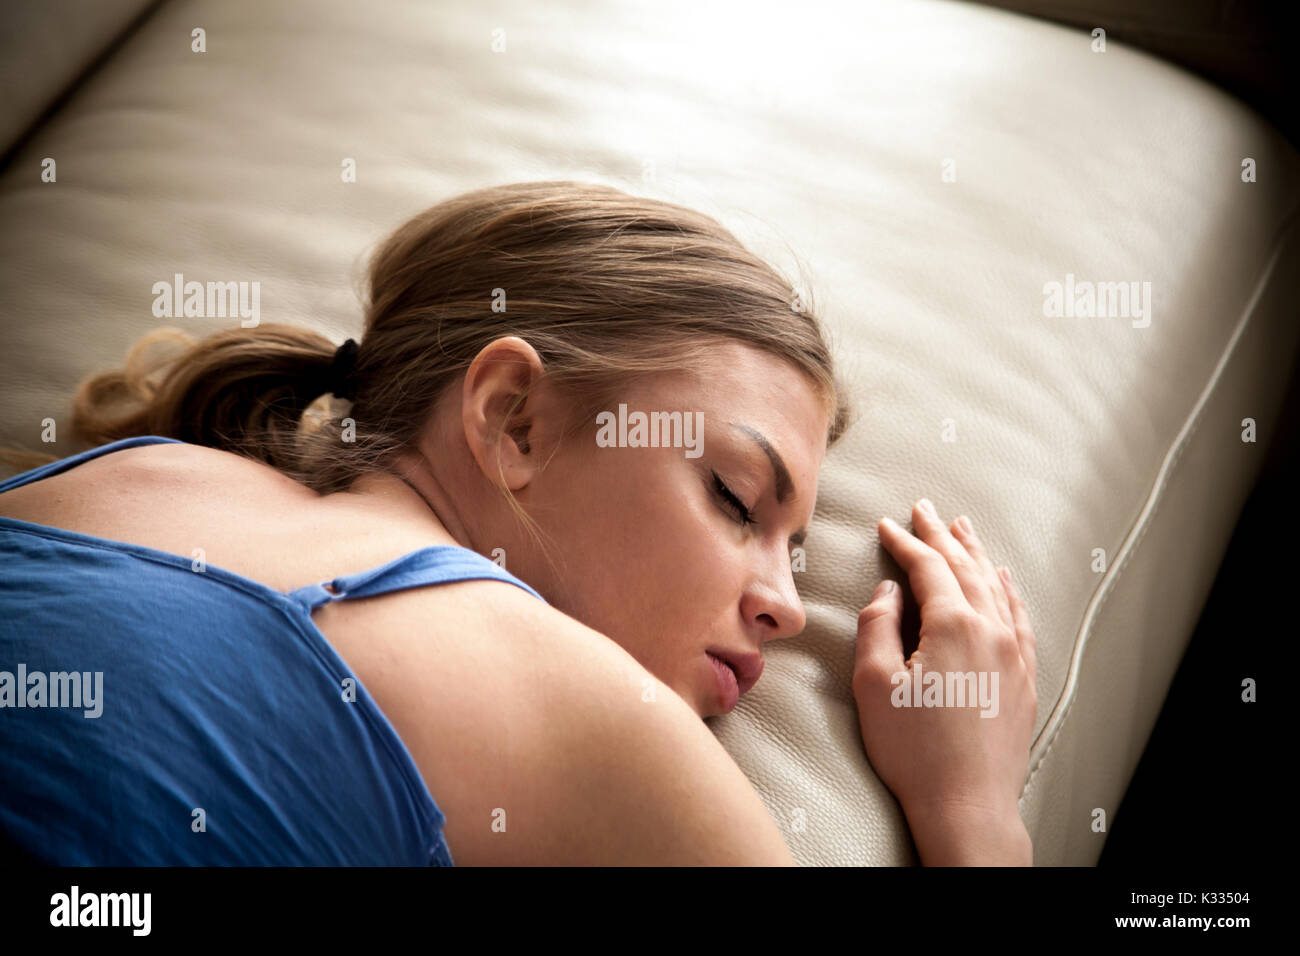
(771, 605)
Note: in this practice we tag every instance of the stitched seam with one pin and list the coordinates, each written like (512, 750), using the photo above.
(1129, 547)
(1108, 589)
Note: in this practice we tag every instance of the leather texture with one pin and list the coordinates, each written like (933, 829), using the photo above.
(820, 136)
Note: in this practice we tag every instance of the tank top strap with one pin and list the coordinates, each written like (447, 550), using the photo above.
(439, 564)
(72, 461)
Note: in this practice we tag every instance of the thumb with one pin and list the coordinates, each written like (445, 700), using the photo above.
(880, 632)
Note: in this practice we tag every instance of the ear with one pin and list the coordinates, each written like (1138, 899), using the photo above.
(500, 374)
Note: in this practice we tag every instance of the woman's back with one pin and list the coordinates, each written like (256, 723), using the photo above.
(505, 706)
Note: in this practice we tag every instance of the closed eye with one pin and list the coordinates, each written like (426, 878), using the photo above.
(743, 514)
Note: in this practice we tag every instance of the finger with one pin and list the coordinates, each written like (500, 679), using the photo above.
(935, 533)
(880, 634)
(1024, 632)
(931, 578)
(975, 548)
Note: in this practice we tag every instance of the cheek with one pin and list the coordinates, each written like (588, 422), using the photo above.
(676, 537)
(647, 556)
(679, 575)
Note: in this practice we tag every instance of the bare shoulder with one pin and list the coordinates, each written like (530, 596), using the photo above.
(193, 467)
(543, 741)
(173, 471)
(247, 517)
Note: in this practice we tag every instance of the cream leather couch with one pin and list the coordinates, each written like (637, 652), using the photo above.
(933, 165)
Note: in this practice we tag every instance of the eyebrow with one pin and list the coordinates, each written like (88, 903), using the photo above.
(784, 486)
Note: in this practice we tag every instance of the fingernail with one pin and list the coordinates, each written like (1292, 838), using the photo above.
(886, 587)
(928, 507)
(964, 524)
(1006, 574)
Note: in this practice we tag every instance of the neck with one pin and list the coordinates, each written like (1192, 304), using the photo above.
(417, 497)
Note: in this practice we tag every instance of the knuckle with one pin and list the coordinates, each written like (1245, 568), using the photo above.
(872, 612)
(933, 561)
(963, 562)
(956, 622)
(953, 552)
(927, 552)
(975, 626)
(1005, 643)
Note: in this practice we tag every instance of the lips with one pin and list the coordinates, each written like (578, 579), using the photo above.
(725, 683)
(748, 668)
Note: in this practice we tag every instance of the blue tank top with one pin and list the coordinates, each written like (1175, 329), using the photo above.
(154, 712)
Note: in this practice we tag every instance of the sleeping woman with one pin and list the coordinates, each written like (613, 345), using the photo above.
(465, 616)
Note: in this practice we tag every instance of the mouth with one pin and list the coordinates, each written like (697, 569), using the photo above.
(747, 668)
(726, 684)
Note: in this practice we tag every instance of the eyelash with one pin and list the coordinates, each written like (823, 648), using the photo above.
(743, 514)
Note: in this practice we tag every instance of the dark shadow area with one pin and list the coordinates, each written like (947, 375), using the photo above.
(1241, 46)
(52, 108)
(1202, 793)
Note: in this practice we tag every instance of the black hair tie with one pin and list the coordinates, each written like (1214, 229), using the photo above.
(342, 381)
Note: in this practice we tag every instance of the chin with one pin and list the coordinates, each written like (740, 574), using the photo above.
(706, 712)
(697, 702)
(701, 709)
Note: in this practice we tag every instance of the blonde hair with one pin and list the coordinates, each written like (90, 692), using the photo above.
(604, 285)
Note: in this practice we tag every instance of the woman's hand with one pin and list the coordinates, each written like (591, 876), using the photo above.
(957, 769)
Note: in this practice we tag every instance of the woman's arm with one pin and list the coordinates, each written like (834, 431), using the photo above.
(969, 836)
(545, 743)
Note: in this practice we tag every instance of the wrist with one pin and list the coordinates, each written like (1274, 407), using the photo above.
(956, 835)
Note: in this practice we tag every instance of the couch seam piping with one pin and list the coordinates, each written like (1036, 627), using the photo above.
(1130, 545)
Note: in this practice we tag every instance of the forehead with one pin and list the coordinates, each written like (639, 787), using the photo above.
(732, 383)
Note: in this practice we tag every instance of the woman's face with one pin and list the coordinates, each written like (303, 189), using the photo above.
(652, 549)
